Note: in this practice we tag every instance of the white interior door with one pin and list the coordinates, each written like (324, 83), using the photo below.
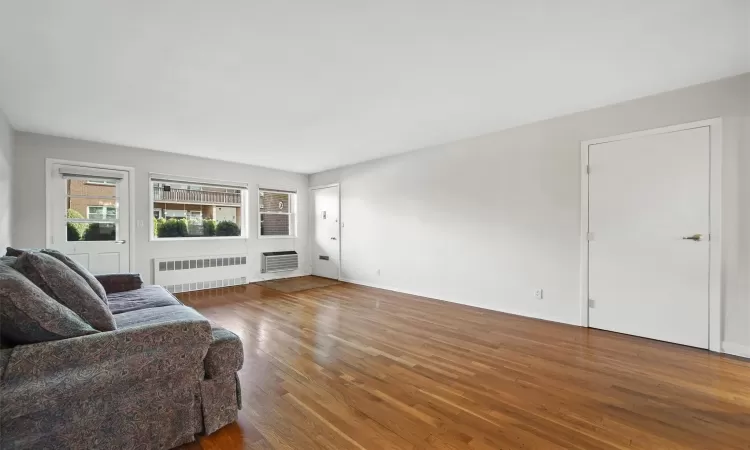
(89, 208)
(647, 197)
(326, 239)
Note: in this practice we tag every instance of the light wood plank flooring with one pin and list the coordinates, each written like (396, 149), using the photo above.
(351, 367)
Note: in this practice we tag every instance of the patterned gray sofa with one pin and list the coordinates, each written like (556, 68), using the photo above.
(162, 376)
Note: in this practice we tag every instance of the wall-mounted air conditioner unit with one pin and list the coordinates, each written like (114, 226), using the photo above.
(278, 261)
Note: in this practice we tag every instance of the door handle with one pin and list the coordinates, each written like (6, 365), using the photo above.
(696, 237)
(333, 238)
(122, 241)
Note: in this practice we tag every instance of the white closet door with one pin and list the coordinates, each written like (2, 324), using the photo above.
(649, 219)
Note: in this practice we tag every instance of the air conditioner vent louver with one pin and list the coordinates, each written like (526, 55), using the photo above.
(278, 261)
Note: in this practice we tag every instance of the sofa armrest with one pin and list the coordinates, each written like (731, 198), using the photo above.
(225, 355)
(120, 282)
(147, 348)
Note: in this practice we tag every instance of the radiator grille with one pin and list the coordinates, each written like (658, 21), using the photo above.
(278, 261)
(201, 285)
(200, 263)
(200, 272)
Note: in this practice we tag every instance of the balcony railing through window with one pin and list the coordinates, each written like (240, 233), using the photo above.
(197, 196)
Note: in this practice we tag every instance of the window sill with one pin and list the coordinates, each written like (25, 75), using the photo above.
(277, 237)
(206, 238)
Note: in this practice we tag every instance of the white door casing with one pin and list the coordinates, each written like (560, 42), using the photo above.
(645, 192)
(105, 256)
(326, 236)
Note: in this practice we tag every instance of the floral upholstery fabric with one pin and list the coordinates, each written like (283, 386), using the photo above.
(220, 391)
(120, 282)
(67, 287)
(143, 298)
(135, 387)
(93, 283)
(4, 358)
(225, 355)
(8, 260)
(134, 417)
(220, 402)
(28, 315)
(141, 386)
(10, 251)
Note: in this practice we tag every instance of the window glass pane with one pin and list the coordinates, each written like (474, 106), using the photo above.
(274, 202)
(193, 210)
(92, 188)
(97, 212)
(92, 231)
(91, 199)
(193, 193)
(274, 224)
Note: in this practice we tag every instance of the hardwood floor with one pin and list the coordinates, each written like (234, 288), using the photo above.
(297, 284)
(351, 367)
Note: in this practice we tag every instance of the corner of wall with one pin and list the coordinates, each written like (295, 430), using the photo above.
(7, 199)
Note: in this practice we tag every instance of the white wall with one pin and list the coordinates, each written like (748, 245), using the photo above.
(6, 181)
(486, 221)
(29, 211)
(736, 229)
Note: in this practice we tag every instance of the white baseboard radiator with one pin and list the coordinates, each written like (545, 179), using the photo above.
(196, 273)
(278, 261)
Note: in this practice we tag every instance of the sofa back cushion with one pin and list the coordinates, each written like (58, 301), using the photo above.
(67, 287)
(93, 283)
(28, 315)
(15, 252)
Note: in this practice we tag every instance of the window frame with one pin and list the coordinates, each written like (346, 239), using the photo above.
(100, 183)
(292, 214)
(115, 221)
(244, 206)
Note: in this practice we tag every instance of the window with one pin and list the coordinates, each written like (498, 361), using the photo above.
(92, 206)
(192, 208)
(101, 212)
(276, 213)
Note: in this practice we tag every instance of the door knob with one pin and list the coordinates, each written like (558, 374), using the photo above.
(695, 237)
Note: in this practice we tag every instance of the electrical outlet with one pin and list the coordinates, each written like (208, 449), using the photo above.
(539, 294)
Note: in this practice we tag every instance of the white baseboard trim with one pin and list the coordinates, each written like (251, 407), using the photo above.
(418, 294)
(732, 348)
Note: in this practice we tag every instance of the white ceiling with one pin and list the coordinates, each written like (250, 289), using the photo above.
(307, 85)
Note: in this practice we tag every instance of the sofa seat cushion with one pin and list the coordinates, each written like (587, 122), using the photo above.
(67, 287)
(143, 298)
(28, 315)
(159, 316)
(225, 355)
